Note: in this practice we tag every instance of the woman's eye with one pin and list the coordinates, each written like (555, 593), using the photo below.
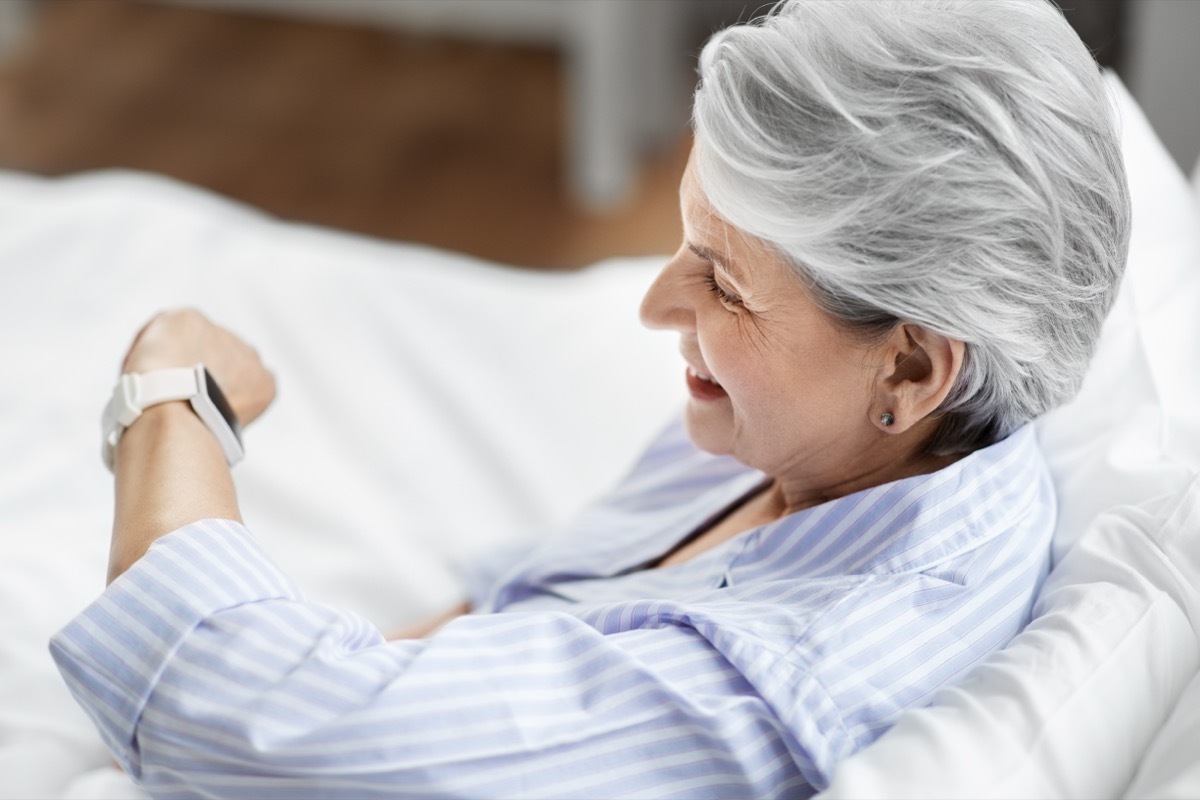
(725, 297)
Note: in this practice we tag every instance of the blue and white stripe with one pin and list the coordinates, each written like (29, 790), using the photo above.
(749, 671)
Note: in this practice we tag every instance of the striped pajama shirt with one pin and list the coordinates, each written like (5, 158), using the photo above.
(749, 671)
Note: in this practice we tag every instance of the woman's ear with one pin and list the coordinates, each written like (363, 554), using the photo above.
(919, 369)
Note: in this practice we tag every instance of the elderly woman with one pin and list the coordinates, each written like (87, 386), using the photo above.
(904, 224)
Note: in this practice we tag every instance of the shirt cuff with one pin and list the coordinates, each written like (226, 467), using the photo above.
(113, 653)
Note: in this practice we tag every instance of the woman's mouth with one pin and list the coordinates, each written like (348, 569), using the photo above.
(703, 387)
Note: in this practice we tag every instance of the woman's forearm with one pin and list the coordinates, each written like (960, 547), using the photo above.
(170, 471)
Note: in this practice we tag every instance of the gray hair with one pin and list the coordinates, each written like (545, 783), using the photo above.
(951, 164)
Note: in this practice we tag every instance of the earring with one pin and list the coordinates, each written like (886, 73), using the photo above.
(886, 419)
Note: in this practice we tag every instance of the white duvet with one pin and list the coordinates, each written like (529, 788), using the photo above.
(431, 405)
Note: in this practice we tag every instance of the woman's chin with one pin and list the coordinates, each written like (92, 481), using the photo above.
(709, 428)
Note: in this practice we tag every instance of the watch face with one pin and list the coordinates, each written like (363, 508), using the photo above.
(218, 399)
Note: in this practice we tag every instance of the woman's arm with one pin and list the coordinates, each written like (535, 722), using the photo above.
(170, 470)
(210, 675)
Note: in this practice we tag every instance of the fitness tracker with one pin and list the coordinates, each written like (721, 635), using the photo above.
(135, 392)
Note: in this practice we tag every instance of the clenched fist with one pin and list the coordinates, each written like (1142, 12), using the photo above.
(185, 337)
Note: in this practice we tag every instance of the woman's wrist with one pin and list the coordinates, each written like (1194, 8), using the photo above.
(170, 472)
(160, 423)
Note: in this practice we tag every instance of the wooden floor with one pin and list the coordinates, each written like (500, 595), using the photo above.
(454, 144)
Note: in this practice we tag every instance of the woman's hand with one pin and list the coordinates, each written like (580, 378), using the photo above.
(430, 626)
(185, 337)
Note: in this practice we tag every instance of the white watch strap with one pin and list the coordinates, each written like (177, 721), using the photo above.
(135, 392)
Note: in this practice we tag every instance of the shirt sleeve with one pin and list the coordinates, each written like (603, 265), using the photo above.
(208, 675)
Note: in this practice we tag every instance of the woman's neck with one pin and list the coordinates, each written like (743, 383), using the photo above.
(789, 494)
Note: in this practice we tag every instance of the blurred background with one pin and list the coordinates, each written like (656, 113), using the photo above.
(541, 133)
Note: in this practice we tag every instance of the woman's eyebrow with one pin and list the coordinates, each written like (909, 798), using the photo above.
(714, 257)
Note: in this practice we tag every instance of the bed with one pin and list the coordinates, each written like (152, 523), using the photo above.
(407, 374)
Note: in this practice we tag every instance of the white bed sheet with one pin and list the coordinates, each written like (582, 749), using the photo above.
(431, 405)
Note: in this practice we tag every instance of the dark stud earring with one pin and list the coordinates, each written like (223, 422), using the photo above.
(887, 419)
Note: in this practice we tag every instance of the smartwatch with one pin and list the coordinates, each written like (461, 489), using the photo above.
(135, 392)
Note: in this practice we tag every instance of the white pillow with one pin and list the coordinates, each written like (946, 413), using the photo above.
(1133, 429)
(1068, 708)
(1171, 770)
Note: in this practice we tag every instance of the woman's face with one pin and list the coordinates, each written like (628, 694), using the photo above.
(771, 380)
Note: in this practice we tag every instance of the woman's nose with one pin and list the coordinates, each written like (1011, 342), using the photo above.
(666, 304)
